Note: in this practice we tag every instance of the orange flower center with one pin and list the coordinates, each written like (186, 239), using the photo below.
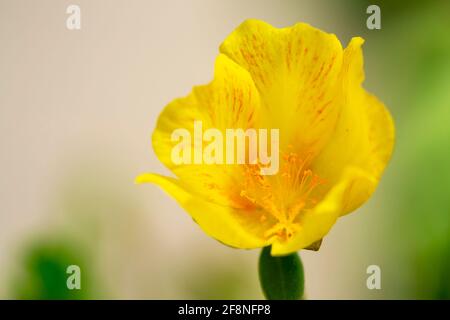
(284, 196)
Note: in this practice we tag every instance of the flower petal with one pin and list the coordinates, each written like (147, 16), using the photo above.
(229, 101)
(297, 72)
(233, 227)
(316, 223)
(363, 136)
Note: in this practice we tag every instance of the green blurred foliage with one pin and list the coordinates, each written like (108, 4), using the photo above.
(424, 183)
(414, 47)
(42, 273)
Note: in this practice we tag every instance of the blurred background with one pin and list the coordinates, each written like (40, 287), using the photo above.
(77, 109)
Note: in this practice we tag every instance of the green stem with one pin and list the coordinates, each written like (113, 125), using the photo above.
(281, 278)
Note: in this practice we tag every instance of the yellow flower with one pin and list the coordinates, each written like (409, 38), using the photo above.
(335, 138)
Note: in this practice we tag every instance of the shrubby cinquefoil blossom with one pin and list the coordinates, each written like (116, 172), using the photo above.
(335, 138)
